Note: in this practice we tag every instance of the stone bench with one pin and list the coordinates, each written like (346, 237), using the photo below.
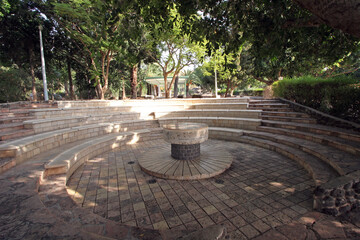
(51, 124)
(209, 113)
(143, 110)
(74, 112)
(22, 149)
(219, 106)
(236, 123)
(67, 162)
(129, 102)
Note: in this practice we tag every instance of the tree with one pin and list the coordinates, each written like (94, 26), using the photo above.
(96, 24)
(19, 41)
(338, 14)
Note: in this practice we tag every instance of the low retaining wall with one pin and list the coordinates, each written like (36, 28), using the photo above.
(339, 195)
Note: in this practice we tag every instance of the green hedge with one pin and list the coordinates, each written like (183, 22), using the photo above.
(338, 96)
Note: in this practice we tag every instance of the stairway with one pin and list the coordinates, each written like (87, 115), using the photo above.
(13, 115)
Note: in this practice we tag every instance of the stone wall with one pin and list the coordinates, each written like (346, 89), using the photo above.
(339, 195)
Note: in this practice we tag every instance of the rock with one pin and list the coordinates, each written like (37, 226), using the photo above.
(338, 193)
(328, 202)
(331, 211)
(329, 229)
(345, 209)
(340, 202)
(319, 191)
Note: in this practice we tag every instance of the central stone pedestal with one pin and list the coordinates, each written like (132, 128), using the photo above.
(185, 139)
(185, 162)
(185, 152)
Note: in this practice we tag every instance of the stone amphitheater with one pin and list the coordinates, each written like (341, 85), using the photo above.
(70, 170)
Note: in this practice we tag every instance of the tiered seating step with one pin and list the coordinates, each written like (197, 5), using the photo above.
(25, 148)
(219, 106)
(318, 170)
(339, 143)
(69, 160)
(237, 123)
(315, 128)
(285, 114)
(209, 113)
(342, 162)
(289, 119)
(50, 124)
(12, 134)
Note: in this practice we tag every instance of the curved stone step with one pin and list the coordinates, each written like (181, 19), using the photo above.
(11, 126)
(273, 109)
(209, 113)
(50, 124)
(68, 161)
(339, 143)
(342, 162)
(269, 105)
(289, 119)
(13, 134)
(285, 114)
(27, 147)
(219, 106)
(318, 170)
(237, 123)
(315, 128)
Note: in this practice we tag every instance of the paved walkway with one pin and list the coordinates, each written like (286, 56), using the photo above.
(263, 195)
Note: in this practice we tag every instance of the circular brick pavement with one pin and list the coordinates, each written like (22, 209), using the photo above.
(261, 189)
(158, 162)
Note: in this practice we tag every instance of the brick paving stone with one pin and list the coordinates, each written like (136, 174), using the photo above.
(205, 221)
(238, 221)
(255, 193)
(261, 226)
(236, 235)
(249, 231)
(193, 226)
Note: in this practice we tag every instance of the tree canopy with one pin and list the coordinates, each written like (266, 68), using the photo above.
(94, 46)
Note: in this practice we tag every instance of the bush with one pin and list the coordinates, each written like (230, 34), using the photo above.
(338, 96)
(14, 84)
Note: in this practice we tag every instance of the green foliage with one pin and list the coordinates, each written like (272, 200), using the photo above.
(338, 96)
(14, 84)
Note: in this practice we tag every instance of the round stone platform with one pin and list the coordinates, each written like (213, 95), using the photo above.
(213, 160)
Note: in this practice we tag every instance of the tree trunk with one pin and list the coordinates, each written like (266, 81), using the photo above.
(71, 86)
(133, 81)
(227, 87)
(176, 89)
(165, 85)
(32, 72)
(123, 90)
(99, 89)
(339, 14)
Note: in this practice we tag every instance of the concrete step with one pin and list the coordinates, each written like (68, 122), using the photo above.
(272, 109)
(317, 169)
(264, 101)
(221, 122)
(51, 124)
(339, 143)
(219, 106)
(14, 134)
(315, 128)
(14, 115)
(342, 162)
(285, 114)
(14, 120)
(269, 105)
(289, 119)
(209, 113)
(11, 126)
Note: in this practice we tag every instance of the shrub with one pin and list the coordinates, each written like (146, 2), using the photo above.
(338, 96)
(14, 84)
